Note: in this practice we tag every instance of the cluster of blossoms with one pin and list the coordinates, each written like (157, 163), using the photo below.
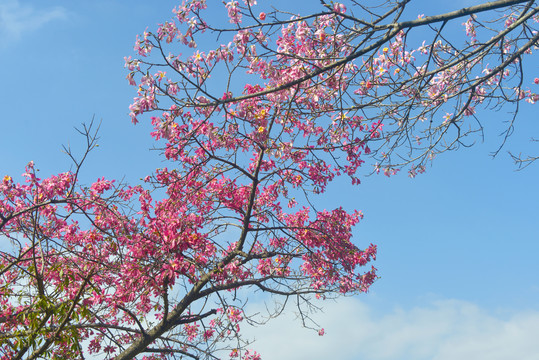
(413, 84)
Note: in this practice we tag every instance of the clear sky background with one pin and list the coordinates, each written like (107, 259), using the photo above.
(458, 246)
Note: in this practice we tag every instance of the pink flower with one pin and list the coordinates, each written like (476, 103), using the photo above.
(130, 79)
(233, 12)
(470, 110)
(533, 98)
(339, 8)
(321, 332)
(509, 21)
(262, 16)
(536, 80)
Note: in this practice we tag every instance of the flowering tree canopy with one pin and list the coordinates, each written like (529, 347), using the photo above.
(253, 129)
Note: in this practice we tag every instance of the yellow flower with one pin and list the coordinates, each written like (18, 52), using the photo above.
(261, 114)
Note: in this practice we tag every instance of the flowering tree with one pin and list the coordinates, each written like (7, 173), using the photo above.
(253, 131)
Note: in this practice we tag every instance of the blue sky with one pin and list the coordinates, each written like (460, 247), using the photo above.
(458, 246)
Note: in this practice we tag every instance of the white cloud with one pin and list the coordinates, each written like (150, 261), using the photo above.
(441, 330)
(17, 19)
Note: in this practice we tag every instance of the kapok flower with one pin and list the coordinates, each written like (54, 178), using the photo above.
(339, 8)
